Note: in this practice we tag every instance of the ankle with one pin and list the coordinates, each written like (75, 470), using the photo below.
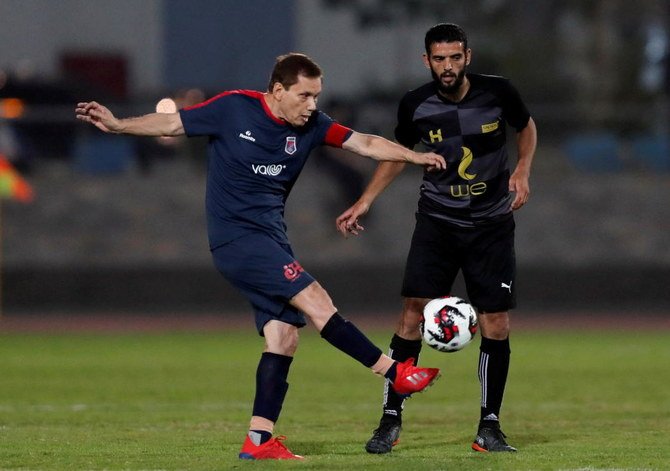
(392, 372)
(258, 437)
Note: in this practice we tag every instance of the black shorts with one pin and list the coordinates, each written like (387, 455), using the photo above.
(485, 254)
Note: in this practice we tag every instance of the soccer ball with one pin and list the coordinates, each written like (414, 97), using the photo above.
(449, 324)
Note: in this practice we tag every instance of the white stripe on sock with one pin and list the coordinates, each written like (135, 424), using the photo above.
(483, 376)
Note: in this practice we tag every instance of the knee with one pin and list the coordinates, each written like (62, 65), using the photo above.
(315, 302)
(410, 319)
(494, 325)
(289, 343)
(281, 339)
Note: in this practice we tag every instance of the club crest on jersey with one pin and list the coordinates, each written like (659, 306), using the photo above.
(293, 270)
(290, 147)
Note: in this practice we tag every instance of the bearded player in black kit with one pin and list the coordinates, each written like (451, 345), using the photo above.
(464, 219)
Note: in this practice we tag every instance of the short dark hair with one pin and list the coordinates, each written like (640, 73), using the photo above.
(289, 66)
(445, 33)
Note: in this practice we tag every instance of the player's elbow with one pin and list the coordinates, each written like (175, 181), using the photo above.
(173, 125)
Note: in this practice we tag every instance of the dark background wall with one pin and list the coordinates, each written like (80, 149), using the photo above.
(217, 44)
(118, 223)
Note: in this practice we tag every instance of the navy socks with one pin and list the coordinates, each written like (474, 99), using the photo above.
(271, 385)
(344, 336)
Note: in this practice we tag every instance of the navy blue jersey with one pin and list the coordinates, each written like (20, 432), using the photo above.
(470, 134)
(254, 160)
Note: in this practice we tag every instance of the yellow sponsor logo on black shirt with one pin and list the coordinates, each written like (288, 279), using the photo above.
(435, 136)
(489, 127)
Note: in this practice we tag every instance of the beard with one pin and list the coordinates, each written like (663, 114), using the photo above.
(449, 89)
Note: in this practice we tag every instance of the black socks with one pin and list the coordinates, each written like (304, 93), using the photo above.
(400, 350)
(494, 357)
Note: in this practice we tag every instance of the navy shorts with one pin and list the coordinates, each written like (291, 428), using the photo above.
(267, 274)
(485, 254)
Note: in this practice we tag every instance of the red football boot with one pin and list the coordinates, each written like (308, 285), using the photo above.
(273, 449)
(410, 379)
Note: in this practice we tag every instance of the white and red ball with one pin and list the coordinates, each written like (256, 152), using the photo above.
(449, 324)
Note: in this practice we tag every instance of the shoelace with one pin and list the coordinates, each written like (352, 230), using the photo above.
(277, 443)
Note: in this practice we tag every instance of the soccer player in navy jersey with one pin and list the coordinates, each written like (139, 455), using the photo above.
(259, 143)
(464, 219)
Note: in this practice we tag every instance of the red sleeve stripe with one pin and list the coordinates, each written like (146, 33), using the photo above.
(207, 102)
(250, 93)
(336, 135)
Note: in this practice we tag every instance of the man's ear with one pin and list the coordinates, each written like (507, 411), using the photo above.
(278, 91)
(468, 56)
(426, 62)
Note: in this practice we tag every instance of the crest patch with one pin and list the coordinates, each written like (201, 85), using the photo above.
(290, 147)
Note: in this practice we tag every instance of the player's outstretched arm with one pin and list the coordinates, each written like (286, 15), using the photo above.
(378, 148)
(153, 124)
(348, 222)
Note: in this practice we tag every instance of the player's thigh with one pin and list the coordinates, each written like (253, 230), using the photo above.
(490, 269)
(433, 260)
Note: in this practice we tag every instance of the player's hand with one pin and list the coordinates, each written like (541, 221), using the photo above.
(430, 160)
(518, 184)
(98, 115)
(347, 222)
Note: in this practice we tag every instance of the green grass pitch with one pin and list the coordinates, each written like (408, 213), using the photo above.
(589, 400)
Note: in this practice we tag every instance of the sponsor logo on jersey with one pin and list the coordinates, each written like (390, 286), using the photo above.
(466, 161)
(463, 191)
(435, 136)
(271, 170)
(247, 136)
(292, 271)
(290, 146)
(466, 190)
(489, 127)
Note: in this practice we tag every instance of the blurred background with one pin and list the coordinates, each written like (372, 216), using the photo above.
(116, 224)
